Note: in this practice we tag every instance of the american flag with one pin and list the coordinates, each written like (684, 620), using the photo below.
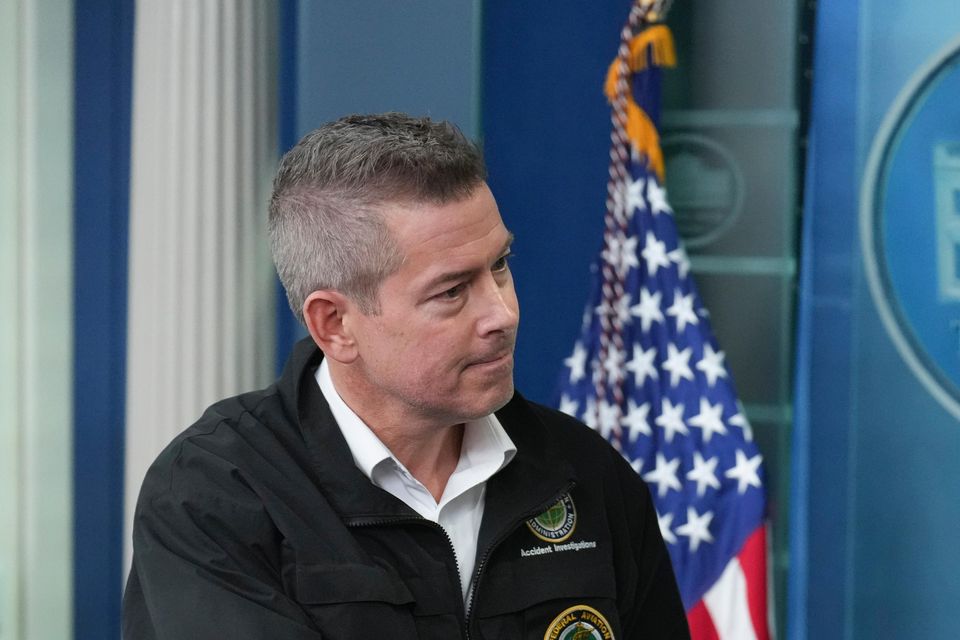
(648, 374)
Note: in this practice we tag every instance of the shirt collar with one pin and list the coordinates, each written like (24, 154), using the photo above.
(485, 441)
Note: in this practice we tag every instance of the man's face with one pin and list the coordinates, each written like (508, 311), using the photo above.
(441, 348)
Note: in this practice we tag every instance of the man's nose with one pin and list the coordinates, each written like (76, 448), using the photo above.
(499, 311)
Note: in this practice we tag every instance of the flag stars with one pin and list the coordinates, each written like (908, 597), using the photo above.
(596, 371)
(577, 363)
(657, 196)
(655, 254)
(697, 528)
(608, 418)
(621, 252)
(745, 471)
(642, 364)
(636, 420)
(711, 364)
(679, 257)
(666, 522)
(678, 364)
(682, 310)
(636, 465)
(620, 308)
(568, 405)
(613, 364)
(648, 310)
(704, 473)
(589, 416)
(740, 420)
(664, 474)
(709, 419)
(632, 196)
(671, 420)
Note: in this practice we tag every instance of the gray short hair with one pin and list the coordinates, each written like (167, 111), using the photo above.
(326, 227)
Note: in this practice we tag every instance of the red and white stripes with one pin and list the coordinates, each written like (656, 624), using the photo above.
(734, 608)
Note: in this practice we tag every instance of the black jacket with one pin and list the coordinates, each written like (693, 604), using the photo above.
(255, 523)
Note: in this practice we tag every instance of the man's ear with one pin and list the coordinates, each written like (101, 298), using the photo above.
(323, 314)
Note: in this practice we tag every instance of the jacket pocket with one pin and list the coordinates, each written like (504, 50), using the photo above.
(528, 600)
(333, 584)
(355, 601)
(351, 601)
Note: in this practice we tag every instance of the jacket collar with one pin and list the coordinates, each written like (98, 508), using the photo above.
(538, 473)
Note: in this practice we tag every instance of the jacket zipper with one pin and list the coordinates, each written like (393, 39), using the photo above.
(496, 542)
(468, 607)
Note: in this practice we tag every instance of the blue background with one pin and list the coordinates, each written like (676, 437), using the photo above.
(876, 473)
(908, 217)
(546, 135)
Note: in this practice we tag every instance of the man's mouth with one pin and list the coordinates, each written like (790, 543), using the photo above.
(498, 357)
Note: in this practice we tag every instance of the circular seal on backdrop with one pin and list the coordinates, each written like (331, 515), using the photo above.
(910, 225)
(705, 184)
(579, 623)
(557, 522)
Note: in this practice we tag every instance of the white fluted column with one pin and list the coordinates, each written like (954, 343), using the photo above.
(201, 287)
(36, 319)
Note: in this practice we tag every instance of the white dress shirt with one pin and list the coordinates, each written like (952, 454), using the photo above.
(485, 450)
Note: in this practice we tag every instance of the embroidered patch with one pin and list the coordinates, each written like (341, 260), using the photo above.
(579, 623)
(557, 522)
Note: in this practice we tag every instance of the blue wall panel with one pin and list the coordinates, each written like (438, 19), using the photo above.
(876, 508)
(382, 55)
(288, 330)
(546, 127)
(824, 417)
(103, 61)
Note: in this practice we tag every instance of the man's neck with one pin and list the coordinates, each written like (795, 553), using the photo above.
(430, 457)
(429, 449)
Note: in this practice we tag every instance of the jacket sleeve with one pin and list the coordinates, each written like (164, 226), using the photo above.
(206, 557)
(653, 609)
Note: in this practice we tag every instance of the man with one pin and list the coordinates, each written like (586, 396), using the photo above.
(392, 483)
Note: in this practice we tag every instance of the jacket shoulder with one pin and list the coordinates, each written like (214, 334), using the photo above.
(586, 450)
(570, 431)
(237, 435)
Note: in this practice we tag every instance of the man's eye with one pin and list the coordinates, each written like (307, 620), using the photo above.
(501, 263)
(453, 292)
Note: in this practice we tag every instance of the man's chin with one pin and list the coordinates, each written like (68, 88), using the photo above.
(491, 402)
(503, 398)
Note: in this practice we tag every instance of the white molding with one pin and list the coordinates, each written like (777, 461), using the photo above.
(201, 286)
(36, 307)
(10, 321)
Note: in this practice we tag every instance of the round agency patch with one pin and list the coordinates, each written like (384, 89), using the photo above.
(579, 623)
(557, 522)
